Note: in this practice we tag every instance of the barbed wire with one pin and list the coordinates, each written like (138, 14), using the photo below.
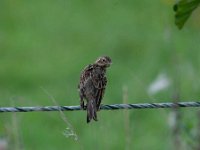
(103, 107)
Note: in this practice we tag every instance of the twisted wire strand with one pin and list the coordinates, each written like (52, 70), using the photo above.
(103, 107)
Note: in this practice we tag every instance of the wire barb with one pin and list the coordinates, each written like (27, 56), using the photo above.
(103, 107)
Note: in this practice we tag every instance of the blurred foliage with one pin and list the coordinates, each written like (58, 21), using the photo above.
(45, 45)
(184, 9)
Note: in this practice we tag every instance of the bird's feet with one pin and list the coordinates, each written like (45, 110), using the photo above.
(82, 105)
(98, 108)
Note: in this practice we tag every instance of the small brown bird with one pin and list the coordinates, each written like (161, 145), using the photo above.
(92, 86)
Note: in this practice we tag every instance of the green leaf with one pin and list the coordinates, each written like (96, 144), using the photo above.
(184, 9)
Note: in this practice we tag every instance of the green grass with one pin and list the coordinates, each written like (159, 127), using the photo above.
(46, 44)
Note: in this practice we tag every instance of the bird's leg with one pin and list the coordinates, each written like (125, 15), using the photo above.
(82, 103)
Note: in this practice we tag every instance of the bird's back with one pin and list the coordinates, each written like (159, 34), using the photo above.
(93, 82)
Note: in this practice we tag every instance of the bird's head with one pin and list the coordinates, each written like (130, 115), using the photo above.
(104, 61)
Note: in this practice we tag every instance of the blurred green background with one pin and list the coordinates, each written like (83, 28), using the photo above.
(45, 44)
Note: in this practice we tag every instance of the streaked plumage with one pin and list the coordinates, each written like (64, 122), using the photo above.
(92, 86)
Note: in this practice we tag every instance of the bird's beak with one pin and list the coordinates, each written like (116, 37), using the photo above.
(108, 65)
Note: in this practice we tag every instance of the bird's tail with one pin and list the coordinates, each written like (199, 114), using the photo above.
(91, 111)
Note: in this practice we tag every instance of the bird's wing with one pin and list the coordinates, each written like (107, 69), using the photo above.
(100, 92)
(85, 75)
(99, 81)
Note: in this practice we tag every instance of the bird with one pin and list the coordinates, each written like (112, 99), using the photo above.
(92, 86)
